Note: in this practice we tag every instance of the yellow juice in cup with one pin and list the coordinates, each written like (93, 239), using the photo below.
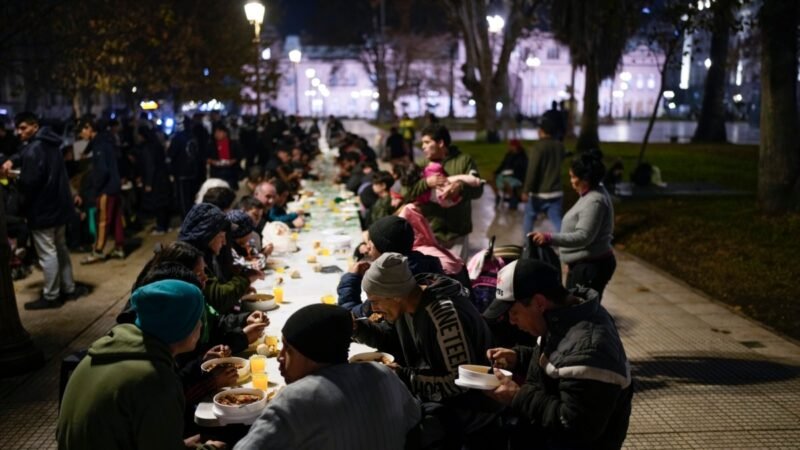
(280, 269)
(277, 292)
(295, 236)
(329, 299)
(326, 252)
(258, 364)
(260, 381)
(320, 201)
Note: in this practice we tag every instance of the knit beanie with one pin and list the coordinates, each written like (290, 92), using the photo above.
(168, 309)
(389, 276)
(320, 332)
(392, 234)
(241, 223)
(201, 224)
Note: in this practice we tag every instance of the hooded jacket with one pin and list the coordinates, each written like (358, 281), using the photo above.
(43, 181)
(578, 387)
(104, 172)
(443, 332)
(123, 395)
(456, 221)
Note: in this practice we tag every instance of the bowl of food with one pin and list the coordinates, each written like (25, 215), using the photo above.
(478, 377)
(242, 365)
(240, 401)
(378, 357)
(258, 302)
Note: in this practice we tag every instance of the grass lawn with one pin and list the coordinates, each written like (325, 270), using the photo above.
(721, 245)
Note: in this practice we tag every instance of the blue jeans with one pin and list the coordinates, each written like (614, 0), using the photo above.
(535, 205)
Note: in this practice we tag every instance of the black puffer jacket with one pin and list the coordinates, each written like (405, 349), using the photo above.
(578, 388)
(104, 172)
(43, 181)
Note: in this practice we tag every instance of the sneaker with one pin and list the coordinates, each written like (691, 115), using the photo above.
(94, 257)
(118, 253)
(43, 303)
(80, 291)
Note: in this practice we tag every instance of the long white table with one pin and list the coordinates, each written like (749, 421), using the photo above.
(312, 285)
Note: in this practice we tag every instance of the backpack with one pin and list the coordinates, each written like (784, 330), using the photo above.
(541, 253)
(482, 269)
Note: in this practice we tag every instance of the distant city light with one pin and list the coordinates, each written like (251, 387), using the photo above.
(366, 92)
(169, 123)
(311, 73)
(295, 56)
(134, 89)
(148, 105)
(376, 95)
(498, 106)
(669, 95)
(625, 76)
(315, 82)
(700, 5)
(707, 63)
(739, 70)
(496, 23)
(266, 54)
(159, 122)
(354, 94)
(645, 10)
(618, 94)
(686, 62)
(737, 98)
(113, 115)
(672, 105)
(373, 105)
(624, 86)
(206, 72)
(533, 61)
(471, 102)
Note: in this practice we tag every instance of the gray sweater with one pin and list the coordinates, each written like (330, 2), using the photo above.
(344, 406)
(587, 228)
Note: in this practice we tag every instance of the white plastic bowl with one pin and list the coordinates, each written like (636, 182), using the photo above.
(239, 410)
(479, 375)
(258, 302)
(372, 357)
(210, 364)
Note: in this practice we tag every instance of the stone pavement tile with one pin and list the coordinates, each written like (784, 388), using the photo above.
(645, 417)
(780, 349)
(751, 412)
(723, 439)
(694, 413)
(790, 400)
(704, 308)
(724, 320)
(777, 439)
(685, 297)
(669, 440)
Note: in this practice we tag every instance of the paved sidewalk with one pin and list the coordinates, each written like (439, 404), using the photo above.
(705, 377)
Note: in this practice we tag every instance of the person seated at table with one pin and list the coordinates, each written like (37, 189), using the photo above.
(278, 211)
(389, 234)
(244, 247)
(125, 392)
(327, 402)
(434, 327)
(204, 227)
(255, 210)
(381, 183)
(221, 196)
(577, 391)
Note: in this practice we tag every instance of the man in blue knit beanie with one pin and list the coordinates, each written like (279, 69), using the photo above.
(125, 393)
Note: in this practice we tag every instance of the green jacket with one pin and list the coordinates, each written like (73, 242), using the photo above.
(449, 223)
(381, 208)
(223, 296)
(125, 394)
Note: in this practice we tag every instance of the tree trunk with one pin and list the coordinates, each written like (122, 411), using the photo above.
(711, 125)
(77, 104)
(572, 104)
(589, 138)
(779, 152)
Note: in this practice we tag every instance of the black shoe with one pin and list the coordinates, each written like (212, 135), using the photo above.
(80, 291)
(42, 303)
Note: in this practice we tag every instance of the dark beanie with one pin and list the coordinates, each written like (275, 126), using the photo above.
(241, 223)
(202, 223)
(320, 332)
(392, 234)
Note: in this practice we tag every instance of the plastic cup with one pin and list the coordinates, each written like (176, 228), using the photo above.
(295, 236)
(280, 269)
(260, 381)
(326, 252)
(258, 364)
(277, 292)
(329, 299)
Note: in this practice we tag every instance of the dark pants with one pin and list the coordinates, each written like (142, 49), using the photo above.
(109, 219)
(594, 273)
(185, 190)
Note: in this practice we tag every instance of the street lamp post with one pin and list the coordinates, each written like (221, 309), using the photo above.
(295, 56)
(254, 10)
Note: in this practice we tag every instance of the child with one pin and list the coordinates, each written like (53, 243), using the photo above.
(381, 184)
(441, 195)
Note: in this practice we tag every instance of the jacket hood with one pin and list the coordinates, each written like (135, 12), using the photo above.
(201, 224)
(126, 342)
(560, 320)
(452, 152)
(441, 286)
(45, 134)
